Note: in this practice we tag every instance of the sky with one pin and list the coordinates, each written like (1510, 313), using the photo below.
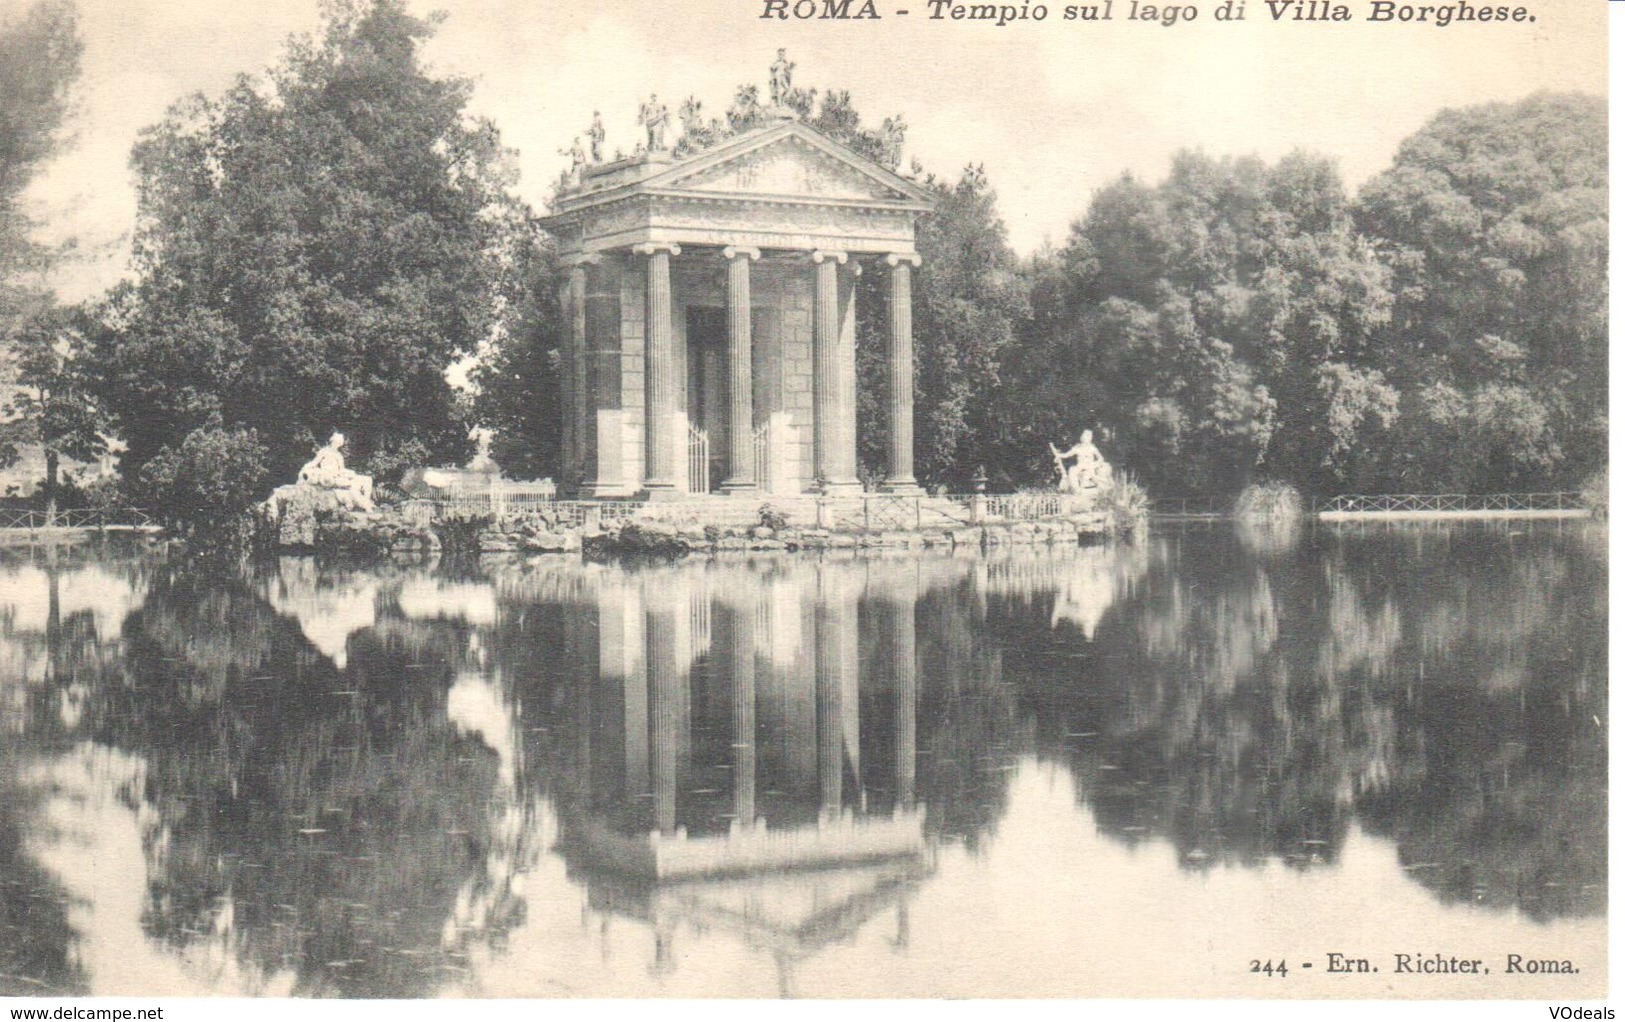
(1054, 109)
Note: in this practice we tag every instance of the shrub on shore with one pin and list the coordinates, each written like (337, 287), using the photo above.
(1594, 494)
(207, 484)
(657, 539)
(1269, 500)
(459, 535)
(768, 517)
(1127, 502)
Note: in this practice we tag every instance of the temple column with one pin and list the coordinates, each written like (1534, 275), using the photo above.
(847, 452)
(835, 386)
(569, 476)
(659, 380)
(573, 375)
(900, 378)
(578, 364)
(741, 415)
(596, 380)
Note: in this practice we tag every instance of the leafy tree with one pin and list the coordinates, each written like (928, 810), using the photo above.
(519, 378)
(312, 252)
(39, 62)
(1215, 327)
(50, 405)
(1495, 221)
(209, 479)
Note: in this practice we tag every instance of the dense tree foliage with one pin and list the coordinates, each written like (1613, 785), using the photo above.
(208, 480)
(41, 405)
(313, 252)
(971, 298)
(1241, 320)
(1495, 220)
(518, 377)
(1215, 326)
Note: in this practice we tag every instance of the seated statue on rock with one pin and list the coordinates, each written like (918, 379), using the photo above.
(326, 470)
(1089, 471)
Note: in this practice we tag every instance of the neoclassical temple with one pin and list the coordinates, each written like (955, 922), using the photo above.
(710, 306)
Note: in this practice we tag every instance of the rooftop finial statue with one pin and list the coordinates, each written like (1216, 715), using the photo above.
(653, 116)
(595, 137)
(578, 157)
(892, 133)
(778, 79)
(689, 114)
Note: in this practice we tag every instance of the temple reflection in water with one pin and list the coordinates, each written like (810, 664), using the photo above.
(791, 775)
(734, 723)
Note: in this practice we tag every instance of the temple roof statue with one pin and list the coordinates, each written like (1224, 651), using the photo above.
(654, 118)
(578, 158)
(892, 132)
(689, 115)
(595, 137)
(778, 81)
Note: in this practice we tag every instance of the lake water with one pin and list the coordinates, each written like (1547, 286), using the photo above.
(1120, 770)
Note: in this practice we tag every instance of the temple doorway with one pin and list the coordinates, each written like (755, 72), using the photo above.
(707, 401)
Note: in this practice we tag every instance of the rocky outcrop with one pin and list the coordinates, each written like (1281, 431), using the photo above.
(297, 510)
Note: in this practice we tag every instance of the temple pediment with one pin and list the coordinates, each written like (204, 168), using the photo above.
(792, 165)
(788, 162)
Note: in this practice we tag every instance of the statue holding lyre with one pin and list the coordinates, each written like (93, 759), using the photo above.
(1089, 471)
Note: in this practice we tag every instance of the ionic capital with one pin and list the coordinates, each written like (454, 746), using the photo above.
(821, 254)
(649, 248)
(733, 252)
(581, 259)
(911, 258)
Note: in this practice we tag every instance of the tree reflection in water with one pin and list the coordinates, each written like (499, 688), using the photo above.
(1443, 687)
(340, 780)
